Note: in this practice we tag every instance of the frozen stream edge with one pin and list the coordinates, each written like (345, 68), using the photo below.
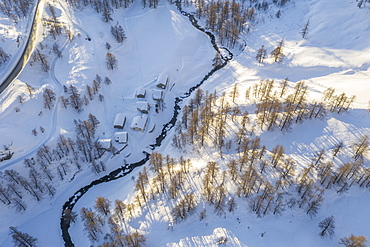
(123, 171)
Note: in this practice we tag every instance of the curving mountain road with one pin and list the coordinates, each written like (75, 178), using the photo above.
(17, 70)
(30, 44)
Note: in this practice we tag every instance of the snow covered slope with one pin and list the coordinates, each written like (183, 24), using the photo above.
(335, 53)
(160, 40)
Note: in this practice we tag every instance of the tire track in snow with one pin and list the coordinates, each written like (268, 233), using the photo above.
(17, 69)
(54, 114)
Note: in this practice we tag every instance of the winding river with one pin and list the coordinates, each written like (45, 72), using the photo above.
(123, 171)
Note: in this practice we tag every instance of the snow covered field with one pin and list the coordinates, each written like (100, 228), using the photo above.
(335, 53)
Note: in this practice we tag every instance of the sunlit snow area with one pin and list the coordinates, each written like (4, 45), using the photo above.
(162, 42)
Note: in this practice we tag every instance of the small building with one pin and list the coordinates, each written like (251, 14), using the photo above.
(139, 122)
(142, 106)
(121, 137)
(105, 144)
(119, 121)
(141, 93)
(158, 95)
(162, 80)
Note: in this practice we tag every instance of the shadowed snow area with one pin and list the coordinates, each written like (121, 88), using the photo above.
(335, 53)
(158, 41)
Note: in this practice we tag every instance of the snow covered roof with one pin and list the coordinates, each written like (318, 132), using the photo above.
(119, 120)
(121, 137)
(162, 80)
(139, 122)
(157, 94)
(142, 106)
(141, 92)
(105, 143)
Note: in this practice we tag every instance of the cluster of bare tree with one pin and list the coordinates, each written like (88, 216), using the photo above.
(49, 98)
(228, 19)
(16, 9)
(277, 53)
(38, 56)
(55, 27)
(111, 61)
(337, 103)
(277, 111)
(211, 120)
(6, 154)
(118, 33)
(22, 239)
(105, 7)
(77, 101)
(151, 3)
(361, 3)
(90, 150)
(4, 57)
(354, 241)
(50, 165)
(169, 178)
(13, 186)
(225, 18)
(120, 234)
(270, 181)
(206, 120)
(57, 50)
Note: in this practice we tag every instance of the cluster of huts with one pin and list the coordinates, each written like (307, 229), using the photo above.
(138, 123)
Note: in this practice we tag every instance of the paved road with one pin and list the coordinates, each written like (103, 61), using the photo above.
(28, 48)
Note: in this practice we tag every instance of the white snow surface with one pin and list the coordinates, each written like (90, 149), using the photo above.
(336, 53)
